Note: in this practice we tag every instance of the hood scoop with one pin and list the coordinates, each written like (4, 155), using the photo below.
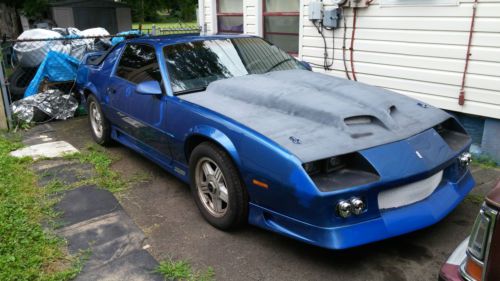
(359, 120)
(363, 125)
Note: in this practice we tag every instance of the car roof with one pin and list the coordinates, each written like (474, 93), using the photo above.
(164, 40)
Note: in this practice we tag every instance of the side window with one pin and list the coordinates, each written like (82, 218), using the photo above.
(138, 64)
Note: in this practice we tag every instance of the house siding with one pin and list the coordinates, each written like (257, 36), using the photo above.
(420, 52)
(417, 51)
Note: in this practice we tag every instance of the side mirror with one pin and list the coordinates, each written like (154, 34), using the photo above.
(149, 88)
(306, 65)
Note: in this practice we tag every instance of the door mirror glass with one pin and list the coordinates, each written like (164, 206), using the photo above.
(149, 88)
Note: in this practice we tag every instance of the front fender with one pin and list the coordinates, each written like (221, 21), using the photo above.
(217, 136)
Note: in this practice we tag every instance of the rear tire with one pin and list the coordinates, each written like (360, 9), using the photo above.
(217, 187)
(19, 81)
(99, 125)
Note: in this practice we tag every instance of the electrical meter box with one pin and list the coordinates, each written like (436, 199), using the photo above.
(315, 9)
(331, 17)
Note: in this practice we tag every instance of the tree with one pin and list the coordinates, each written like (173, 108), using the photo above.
(33, 9)
(147, 10)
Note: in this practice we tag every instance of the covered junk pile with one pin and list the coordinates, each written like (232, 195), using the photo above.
(41, 85)
(45, 106)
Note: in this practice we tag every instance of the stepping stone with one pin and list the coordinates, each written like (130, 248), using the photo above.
(86, 202)
(45, 150)
(39, 134)
(108, 237)
(137, 266)
(67, 172)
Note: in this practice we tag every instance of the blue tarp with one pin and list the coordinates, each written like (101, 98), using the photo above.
(116, 40)
(56, 67)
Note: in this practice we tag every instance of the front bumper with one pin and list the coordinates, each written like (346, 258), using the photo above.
(390, 223)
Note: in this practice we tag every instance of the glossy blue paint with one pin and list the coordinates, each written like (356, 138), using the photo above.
(149, 88)
(159, 127)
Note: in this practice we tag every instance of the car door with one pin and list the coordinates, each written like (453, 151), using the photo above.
(140, 119)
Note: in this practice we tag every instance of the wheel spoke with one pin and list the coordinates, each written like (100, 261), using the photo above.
(218, 175)
(223, 193)
(204, 187)
(207, 169)
(217, 204)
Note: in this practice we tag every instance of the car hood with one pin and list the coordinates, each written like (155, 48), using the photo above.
(316, 116)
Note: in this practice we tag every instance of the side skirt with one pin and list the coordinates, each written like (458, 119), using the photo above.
(174, 168)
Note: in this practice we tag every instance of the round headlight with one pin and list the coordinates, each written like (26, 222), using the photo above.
(465, 159)
(357, 206)
(344, 209)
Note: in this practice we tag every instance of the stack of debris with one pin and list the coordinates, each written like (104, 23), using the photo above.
(42, 84)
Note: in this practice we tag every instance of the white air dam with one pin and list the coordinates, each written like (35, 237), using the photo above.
(410, 193)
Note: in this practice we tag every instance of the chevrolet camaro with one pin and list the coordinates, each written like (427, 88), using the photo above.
(260, 138)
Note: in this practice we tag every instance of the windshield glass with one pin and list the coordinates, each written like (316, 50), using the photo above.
(192, 66)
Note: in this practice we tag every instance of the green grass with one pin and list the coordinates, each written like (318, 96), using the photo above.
(8, 71)
(484, 161)
(148, 25)
(101, 160)
(27, 250)
(183, 271)
(106, 178)
(475, 198)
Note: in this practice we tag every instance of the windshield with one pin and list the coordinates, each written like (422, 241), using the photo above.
(192, 66)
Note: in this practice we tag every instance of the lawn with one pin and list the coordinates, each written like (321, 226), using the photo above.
(148, 25)
(28, 251)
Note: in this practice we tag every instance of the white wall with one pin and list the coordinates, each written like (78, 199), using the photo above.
(252, 11)
(417, 51)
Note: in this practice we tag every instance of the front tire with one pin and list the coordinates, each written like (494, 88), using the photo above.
(217, 188)
(99, 125)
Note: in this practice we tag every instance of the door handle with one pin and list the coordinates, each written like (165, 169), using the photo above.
(111, 90)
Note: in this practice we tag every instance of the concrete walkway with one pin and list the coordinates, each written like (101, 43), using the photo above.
(92, 220)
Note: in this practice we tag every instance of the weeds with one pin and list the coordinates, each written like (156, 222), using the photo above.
(475, 198)
(27, 251)
(485, 161)
(101, 161)
(182, 270)
(106, 177)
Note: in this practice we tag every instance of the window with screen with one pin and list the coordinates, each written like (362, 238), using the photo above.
(138, 64)
(281, 23)
(230, 16)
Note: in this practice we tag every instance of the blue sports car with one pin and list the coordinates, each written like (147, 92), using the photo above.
(262, 139)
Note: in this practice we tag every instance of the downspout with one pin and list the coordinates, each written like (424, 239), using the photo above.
(461, 97)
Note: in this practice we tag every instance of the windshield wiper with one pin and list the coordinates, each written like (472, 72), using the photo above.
(189, 91)
(278, 64)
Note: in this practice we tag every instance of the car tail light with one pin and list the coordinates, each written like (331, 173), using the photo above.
(479, 236)
(477, 252)
(474, 269)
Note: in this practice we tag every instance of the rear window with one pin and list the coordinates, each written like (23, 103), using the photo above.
(138, 64)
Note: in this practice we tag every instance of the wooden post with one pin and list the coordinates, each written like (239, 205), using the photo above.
(3, 113)
(4, 100)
